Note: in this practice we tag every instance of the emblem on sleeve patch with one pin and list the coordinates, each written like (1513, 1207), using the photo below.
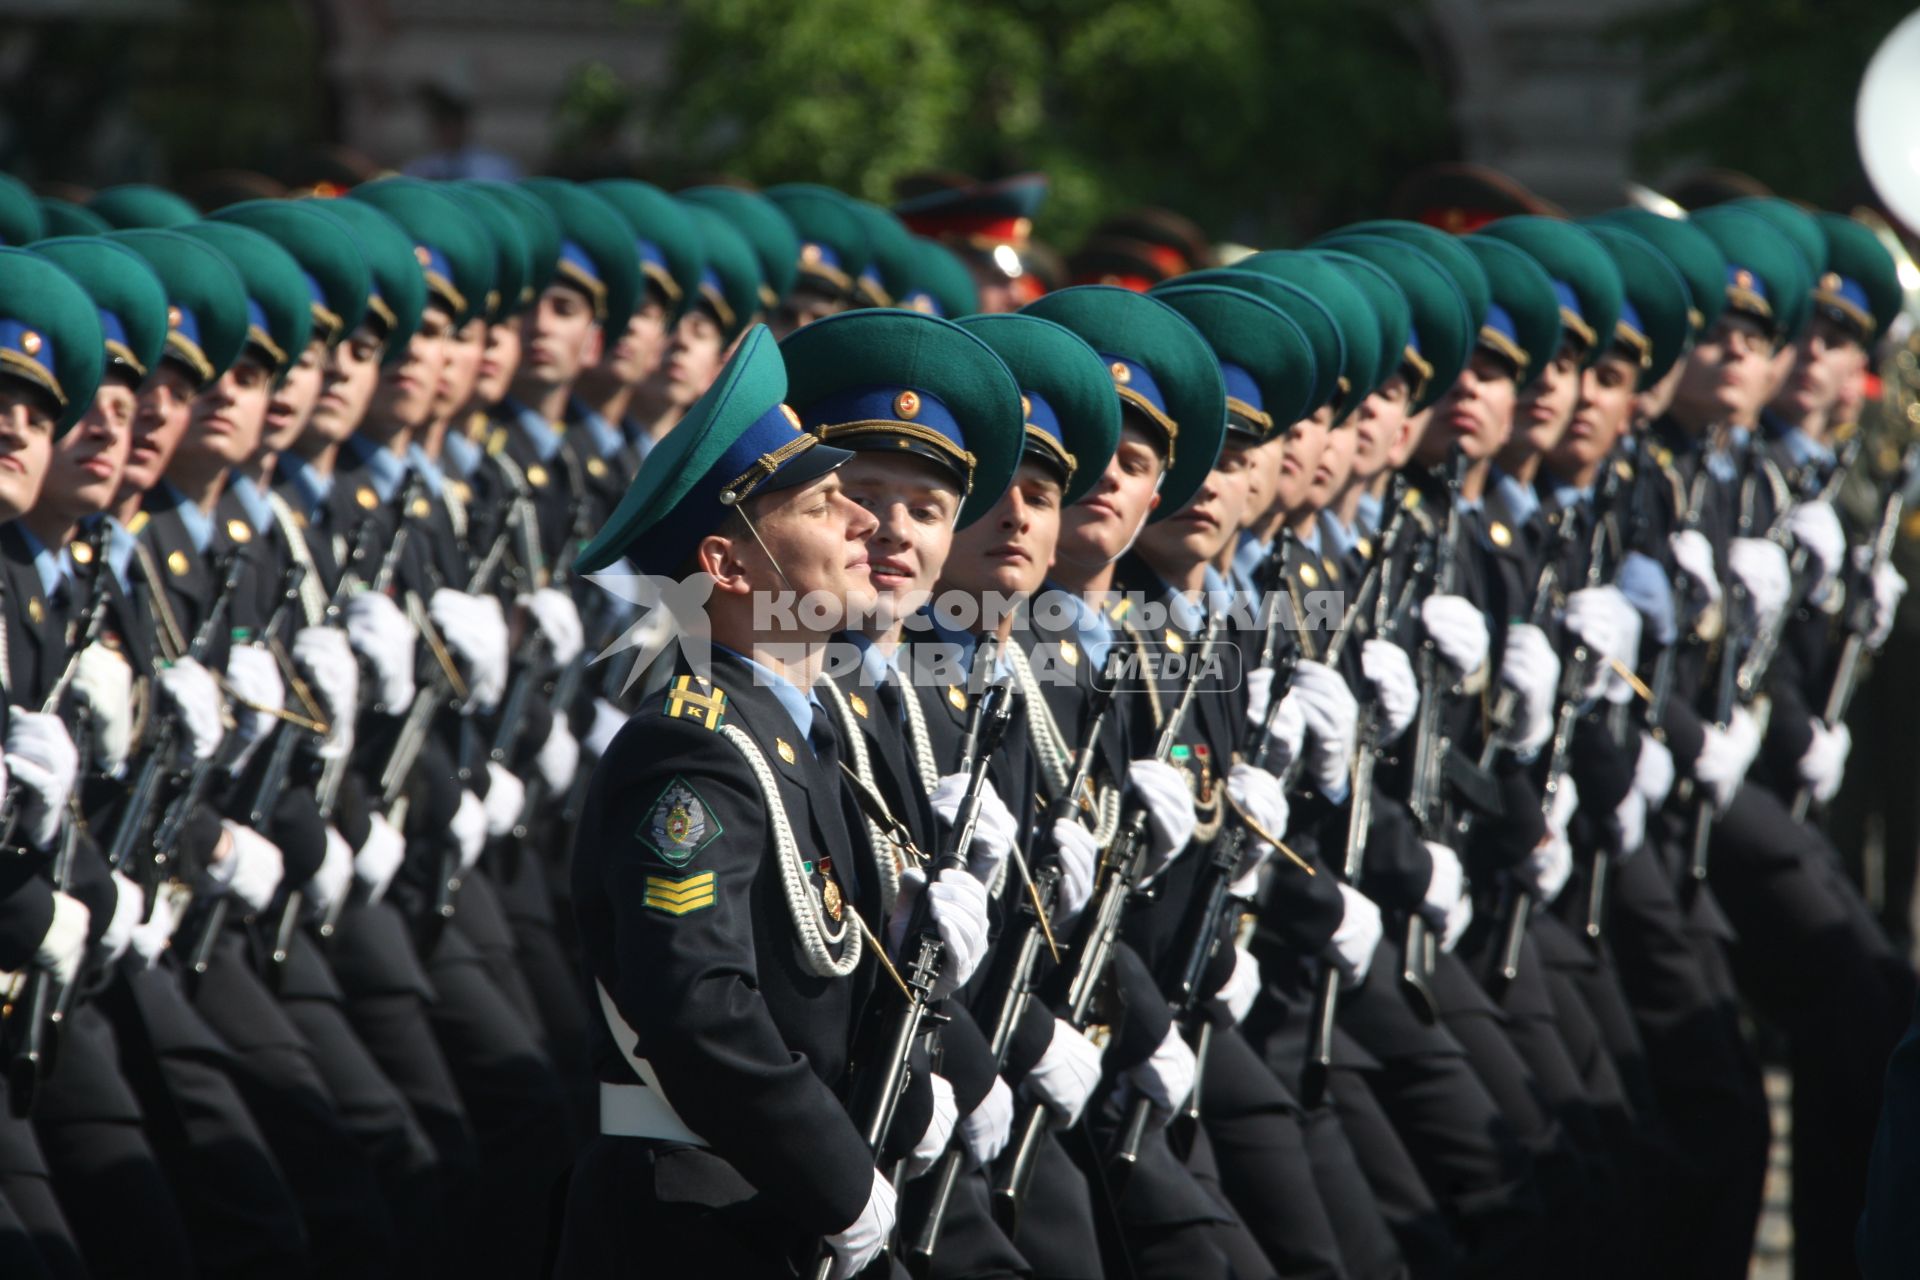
(678, 825)
(678, 897)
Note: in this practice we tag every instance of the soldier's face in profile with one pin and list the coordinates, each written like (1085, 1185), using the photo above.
(1413, 429)
(1656, 399)
(1544, 408)
(499, 361)
(1826, 364)
(1476, 412)
(461, 369)
(83, 476)
(1376, 427)
(346, 389)
(1201, 530)
(293, 401)
(159, 421)
(801, 309)
(1602, 416)
(1336, 464)
(1300, 460)
(1096, 530)
(403, 396)
(1263, 478)
(26, 446)
(914, 502)
(641, 348)
(1009, 550)
(558, 337)
(228, 417)
(694, 357)
(817, 536)
(1727, 377)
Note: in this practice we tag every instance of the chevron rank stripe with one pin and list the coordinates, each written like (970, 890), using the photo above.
(681, 896)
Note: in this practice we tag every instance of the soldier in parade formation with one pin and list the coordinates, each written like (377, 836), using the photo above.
(1305, 765)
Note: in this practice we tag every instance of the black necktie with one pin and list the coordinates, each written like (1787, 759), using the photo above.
(888, 691)
(826, 749)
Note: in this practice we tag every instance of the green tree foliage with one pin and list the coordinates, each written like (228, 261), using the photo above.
(1264, 121)
(1766, 87)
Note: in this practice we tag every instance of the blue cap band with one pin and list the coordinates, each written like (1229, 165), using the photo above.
(889, 408)
(27, 353)
(1241, 385)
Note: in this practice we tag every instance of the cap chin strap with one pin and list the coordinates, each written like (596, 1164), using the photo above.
(747, 520)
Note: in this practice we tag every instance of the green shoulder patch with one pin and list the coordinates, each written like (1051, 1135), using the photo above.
(679, 824)
(695, 698)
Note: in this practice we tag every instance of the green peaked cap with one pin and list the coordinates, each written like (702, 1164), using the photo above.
(538, 228)
(1391, 313)
(1692, 252)
(1523, 320)
(666, 243)
(880, 378)
(894, 261)
(738, 440)
(336, 271)
(279, 304)
(137, 205)
(1441, 334)
(942, 285)
(65, 218)
(23, 218)
(1066, 393)
(1796, 224)
(1653, 318)
(1766, 275)
(399, 292)
(50, 335)
(129, 296)
(730, 287)
(454, 250)
(1314, 320)
(1861, 281)
(1359, 328)
(1265, 360)
(512, 258)
(1454, 258)
(596, 247)
(768, 231)
(834, 248)
(1160, 365)
(1583, 274)
(206, 300)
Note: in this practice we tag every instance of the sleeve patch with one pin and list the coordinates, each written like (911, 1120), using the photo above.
(678, 825)
(679, 897)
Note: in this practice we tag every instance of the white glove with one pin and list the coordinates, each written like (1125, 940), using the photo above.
(559, 756)
(1888, 587)
(993, 835)
(1395, 694)
(1531, 669)
(1354, 942)
(1458, 630)
(1693, 555)
(43, 764)
(1545, 869)
(1079, 855)
(506, 797)
(324, 658)
(64, 945)
(476, 631)
(1067, 1072)
(129, 906)
(254, 678)
(1815, 525)
(1167, 1077)
(1631, 814)
(379, 856)
(1289, 729)
(1333, 718)
(1163, 789)
(607, 721)
(1444, 888)
(104, 683)
(333, 878)
(1242, 986)
(1264, 799)
(986, 1129)
(195, 696)
(559, 621)
(379, 632)
(865, 1240)
(1762, 568)
(252, 869)
(1825, 762)
(470, 829)
(959, 905)
(151, 936)
(1653, 771)
(1603, 619)
(1725, 755)
(939, 1131)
